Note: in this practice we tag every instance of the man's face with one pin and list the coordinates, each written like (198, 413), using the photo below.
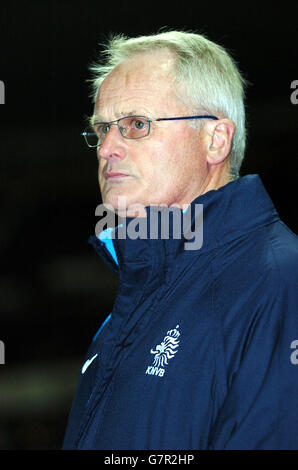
(165, 167)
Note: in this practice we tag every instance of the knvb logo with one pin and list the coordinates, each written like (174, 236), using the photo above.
(163, 352)
(2, 352)
(2, 92)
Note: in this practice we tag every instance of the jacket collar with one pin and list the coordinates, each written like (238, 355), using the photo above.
(229, 212)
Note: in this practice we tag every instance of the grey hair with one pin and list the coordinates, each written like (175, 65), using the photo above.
(206, 76)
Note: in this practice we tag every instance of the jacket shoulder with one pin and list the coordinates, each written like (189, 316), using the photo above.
(284, 244)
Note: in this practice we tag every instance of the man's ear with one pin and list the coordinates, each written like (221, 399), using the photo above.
(220, 140)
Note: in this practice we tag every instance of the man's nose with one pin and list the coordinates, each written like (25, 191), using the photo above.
(113, 145)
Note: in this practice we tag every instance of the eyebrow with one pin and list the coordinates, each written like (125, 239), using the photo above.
(96, 119)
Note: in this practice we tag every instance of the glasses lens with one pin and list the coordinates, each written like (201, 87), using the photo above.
(91, 138)
(134, 127)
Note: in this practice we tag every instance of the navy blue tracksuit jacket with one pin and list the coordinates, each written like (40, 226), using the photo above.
(201, 348)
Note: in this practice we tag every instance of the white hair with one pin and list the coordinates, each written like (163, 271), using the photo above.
(206, 77)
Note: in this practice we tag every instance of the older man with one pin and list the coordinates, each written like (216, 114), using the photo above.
(199, 351)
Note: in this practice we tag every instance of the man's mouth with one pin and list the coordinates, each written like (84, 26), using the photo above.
(111, 175)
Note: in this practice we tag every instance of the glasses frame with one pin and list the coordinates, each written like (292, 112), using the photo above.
(116, 123)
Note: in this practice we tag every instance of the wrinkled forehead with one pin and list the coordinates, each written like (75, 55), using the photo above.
(144, 78)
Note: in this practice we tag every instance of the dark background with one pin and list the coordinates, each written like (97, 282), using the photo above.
(54, 290)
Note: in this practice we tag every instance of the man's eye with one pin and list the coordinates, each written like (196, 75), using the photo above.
(139, 125)
(103, 129)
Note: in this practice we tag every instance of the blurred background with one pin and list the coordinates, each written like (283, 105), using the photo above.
(54, 290)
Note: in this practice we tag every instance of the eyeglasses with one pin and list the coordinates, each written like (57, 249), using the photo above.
(130, 127)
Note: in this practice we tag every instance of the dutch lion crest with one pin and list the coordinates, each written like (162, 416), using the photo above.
(167, 348)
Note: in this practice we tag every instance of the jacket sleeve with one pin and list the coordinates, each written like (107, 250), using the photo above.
(260, 406)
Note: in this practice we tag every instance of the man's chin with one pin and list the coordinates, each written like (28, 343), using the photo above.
(125, 206)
